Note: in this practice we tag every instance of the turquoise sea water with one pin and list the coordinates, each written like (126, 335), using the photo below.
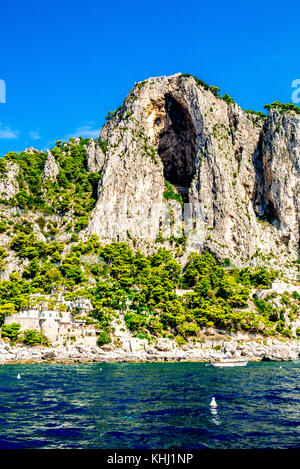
(150, 405)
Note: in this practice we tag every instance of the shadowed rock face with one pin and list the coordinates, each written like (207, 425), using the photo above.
(240, 173)
(176, 143)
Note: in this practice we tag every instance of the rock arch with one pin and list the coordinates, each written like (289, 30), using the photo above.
(176, 142)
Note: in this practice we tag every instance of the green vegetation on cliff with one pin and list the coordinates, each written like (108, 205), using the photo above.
(282, 107)
(155, 295)
(73, 191)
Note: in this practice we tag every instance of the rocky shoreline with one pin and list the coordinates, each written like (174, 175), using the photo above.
(252, 350)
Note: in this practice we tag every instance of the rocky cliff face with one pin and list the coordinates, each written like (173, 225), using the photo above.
(51, 169)
(175, 166)
(8, 184)
(280, 189)
(237, 173)
(95, 157)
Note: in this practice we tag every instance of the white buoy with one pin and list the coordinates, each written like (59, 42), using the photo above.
(18, 377)
(213, 403)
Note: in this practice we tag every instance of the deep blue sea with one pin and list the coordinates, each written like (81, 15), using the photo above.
(150, 405)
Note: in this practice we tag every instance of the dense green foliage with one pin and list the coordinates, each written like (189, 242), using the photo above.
(170, 193)
(33, 337)
(228, 99)
(103, 339)
(283, 107)
(74, 191)
(110, 115)
(143, 289)
(11, 331)
(29, 178)
(120, 282)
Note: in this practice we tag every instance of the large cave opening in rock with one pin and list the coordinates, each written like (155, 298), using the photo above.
(176, 144)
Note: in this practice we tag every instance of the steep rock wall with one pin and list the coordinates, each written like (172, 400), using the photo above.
(226, 163)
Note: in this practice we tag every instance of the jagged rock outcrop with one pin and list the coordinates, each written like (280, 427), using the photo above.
(9, 186)
(51, 168)
(238, 172)
(95, 157)
(281, 176)
(31, 150)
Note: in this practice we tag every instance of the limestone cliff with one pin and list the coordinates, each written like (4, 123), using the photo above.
(95, 157)
(8, 184)
(235, 172)
(51, 169)
(238, 173)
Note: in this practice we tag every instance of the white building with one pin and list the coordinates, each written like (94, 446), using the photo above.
(58, 322)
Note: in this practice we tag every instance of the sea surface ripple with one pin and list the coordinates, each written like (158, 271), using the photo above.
(150, 405)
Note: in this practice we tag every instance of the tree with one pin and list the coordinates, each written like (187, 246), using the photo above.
(71, 268)
(189, 329)
(33, 337)
(215, 90)
(11, 331)
(6, 309)
(3, 226)
(134, 321)
(203, 286)
(55, 275)
(228, 99)
(103, 338)
(22, 199)
(32, 269)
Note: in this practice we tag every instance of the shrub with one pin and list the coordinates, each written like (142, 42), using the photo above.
(103, 146)
(6, 309)
(283, 107)
(263, 277)
(228, 99)
(134, 321)
(11, 331)
(287, 333)
(74, 237)
(189, 329)
(180, 340)
(110, 115)
(33, 337)
(296, 295)
(257, 113)
(3, 226)
(198, 81)
(81, 223)
(215, 90)
(170, 193)
(103, 339)
(22, 199)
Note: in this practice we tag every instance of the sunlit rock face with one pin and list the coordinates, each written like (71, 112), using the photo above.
(238, 174)
(281, 176)
(9, 186)
(95, 157)
(51, 168)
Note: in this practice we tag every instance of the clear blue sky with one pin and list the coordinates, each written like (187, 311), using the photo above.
(67, 63)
